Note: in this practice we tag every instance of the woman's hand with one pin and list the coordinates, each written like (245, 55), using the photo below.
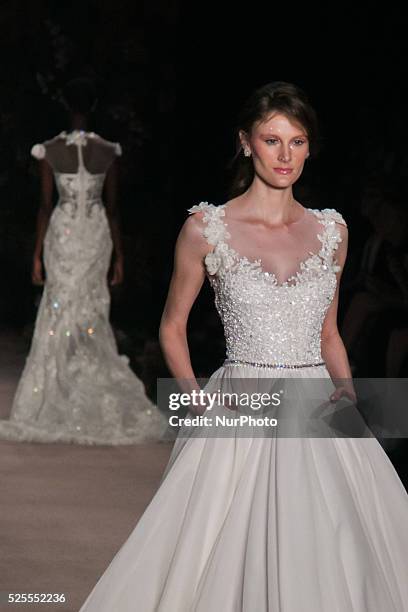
(229, 403)
(117, 275)
(343, 392)
(200, 408)
(37, 271)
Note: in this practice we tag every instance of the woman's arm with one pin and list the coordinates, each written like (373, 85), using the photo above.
(333, 350)
(187, 279)
(43, 217)
(112, 212)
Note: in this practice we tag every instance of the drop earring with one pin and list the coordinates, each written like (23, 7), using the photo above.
(247, 152)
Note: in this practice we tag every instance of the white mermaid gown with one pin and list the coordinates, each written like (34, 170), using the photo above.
(266, 524)
(75, 387)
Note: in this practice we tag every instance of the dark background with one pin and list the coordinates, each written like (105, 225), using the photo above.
(171, 77)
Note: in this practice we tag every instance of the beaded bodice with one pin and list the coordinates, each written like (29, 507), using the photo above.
(267, 321)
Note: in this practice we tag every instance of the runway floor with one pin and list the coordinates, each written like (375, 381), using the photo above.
(65, 509)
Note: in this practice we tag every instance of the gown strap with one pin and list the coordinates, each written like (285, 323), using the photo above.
(331, 236)
(334, 215)
(214, 229)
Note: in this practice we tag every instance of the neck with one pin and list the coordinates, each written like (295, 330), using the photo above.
(273, 205)
(79, 122)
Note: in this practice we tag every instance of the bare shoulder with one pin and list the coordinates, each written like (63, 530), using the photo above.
(192, 233)
(196, 220)
(198, 217)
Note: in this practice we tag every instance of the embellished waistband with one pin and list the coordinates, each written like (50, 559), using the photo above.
(257, 364)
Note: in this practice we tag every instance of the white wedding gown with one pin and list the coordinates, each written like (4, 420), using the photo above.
(75, 387)
(267, 524)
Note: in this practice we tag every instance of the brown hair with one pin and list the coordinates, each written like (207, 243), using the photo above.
(278, 96)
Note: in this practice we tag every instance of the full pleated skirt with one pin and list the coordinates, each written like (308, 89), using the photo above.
(266, 524)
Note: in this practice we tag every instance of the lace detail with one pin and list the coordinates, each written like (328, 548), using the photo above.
(38, 151)
(77, 137)
(332, 235)
(216, 234)
(267, 321)
(335, 215)
(214, 230)
(224, 257)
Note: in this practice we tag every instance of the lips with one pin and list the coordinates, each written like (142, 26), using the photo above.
(283, 170)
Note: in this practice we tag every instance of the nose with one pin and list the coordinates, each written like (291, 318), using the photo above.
(284, 155)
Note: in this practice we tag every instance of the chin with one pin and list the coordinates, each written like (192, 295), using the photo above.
(283, 180)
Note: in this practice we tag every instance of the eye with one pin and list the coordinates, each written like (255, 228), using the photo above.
(298, 141)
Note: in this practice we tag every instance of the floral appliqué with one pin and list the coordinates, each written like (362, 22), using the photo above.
(224, 257)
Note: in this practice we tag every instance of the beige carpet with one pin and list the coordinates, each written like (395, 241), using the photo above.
(65, 509)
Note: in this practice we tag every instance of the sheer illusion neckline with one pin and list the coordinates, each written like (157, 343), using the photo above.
(77, 137)
(80, 139)
(257, 264)
(226, 205)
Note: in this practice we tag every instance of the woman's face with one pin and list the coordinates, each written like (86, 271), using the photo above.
(279, 148)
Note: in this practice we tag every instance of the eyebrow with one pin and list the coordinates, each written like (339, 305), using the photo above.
(276, 136)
